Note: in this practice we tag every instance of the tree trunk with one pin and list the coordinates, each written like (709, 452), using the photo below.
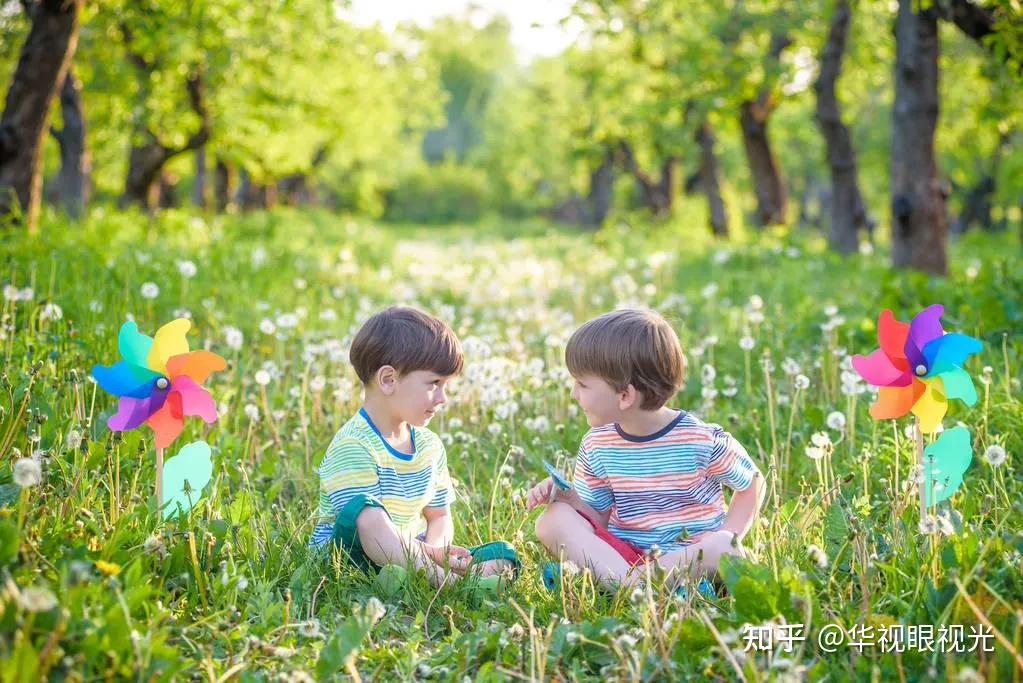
(243, 190)
(298, 189)
(772, 197)
(976, 206)
(847, 210)
(598, 200)
(41, 68)
(294, 190)
(253, 196)
(919, 215)
(75, 164)
(709, 179)
(222, 185)
(754, 115)
(166, 188)
(144, 164)
(658, 193)
(200, 186)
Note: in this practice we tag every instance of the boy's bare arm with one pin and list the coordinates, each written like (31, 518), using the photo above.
(744, 507)
(541, 495)
(438, 544)
(440, 528)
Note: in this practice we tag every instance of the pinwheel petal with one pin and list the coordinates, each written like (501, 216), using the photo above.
(878, 369)
(169, 341)
(125, 379)
(198, 365)
(131, 412)
(931, 407)
(893, 402)
(195, 400)
(957, 384)
(133, 345)
(948, 352)
(926, 326)
(892, 335)
(168, 422)
(945, 462)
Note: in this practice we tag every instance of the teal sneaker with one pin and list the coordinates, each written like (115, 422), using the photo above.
(552, 576)
(705, 588)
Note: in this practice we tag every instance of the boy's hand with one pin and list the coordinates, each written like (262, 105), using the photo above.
(453, 557)
(458, 559)
(540, 494)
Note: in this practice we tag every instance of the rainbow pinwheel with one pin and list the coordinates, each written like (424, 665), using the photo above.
(159, 381)
(918, 368)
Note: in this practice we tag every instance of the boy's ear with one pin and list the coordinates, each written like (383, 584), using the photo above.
(387, 378)
(628, 397)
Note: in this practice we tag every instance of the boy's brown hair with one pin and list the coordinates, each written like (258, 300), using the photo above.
(408, 340)
(636, 347)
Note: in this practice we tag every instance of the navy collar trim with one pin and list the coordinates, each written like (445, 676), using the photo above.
(391, 449)
(650, 437)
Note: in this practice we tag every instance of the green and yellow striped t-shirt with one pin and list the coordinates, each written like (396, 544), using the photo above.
(360, 461)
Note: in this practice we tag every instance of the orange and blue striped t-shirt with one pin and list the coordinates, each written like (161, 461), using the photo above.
(664, 489)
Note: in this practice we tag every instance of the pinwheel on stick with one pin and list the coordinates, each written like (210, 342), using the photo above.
(158, 382)
(918, 369)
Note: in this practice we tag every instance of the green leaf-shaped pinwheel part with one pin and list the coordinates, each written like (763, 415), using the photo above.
(184, 477)
(945, 462)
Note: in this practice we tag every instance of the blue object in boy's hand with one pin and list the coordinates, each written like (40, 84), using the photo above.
(557, 477)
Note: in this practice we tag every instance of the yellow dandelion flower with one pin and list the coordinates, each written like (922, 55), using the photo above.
(108, 568)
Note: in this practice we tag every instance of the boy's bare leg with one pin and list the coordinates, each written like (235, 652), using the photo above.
(565, 533)
(384, 544)
(689, 561)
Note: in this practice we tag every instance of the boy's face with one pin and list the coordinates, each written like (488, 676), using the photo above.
(418, 394)
(600, 402)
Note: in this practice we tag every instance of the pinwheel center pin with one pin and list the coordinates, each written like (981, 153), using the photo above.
(162, 383)
(921, 369)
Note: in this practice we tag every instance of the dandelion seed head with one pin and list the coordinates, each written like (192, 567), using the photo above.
(27, 473)
(995, 455)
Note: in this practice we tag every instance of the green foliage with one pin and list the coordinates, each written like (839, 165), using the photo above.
(342, 647)
(443, 193)
(470, 62)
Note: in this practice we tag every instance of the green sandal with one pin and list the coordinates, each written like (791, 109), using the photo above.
(491, 586)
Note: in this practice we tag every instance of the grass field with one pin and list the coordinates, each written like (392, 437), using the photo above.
(94, 586)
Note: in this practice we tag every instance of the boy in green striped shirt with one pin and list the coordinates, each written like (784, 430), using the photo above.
(385, 490)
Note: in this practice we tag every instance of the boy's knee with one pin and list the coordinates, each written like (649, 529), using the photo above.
(719, 544)
(370, 520)
(549, 524)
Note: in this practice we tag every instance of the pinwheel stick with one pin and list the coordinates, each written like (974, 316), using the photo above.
(159, 478)
(919, 438)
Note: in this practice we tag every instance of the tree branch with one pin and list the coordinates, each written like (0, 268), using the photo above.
(975, 21)
(197, 98)
(632, 166)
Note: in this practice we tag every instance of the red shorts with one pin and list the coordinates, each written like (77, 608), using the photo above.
(630, 553)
